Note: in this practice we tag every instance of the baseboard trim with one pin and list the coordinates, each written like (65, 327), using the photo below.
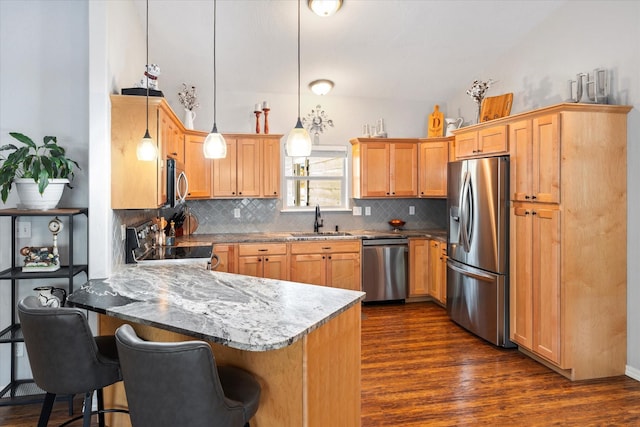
(632, 372)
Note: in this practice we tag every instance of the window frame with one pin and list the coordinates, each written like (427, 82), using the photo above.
(320, 151)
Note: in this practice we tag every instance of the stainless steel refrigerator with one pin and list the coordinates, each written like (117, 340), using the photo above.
(478, 247)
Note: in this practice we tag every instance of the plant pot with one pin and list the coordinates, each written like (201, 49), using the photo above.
(30, 198)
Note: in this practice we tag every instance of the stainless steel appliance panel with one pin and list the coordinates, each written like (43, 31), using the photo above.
(477, 301)
(384, 269)
(478, 213)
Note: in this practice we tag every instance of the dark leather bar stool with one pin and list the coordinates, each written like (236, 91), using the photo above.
(178, 384)
(66, 358)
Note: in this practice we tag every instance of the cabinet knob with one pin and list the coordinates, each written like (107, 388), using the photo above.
(240, 192)
(533, 213)
(533, 197)
(266, 260)
(329, 257)
(527, 197)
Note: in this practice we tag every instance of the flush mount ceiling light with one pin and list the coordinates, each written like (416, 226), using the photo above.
(146, 149)
(321, 86)
(215, 147)
(298, 142)
(324, 7)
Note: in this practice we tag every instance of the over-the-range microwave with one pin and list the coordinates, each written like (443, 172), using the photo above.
(177, 183)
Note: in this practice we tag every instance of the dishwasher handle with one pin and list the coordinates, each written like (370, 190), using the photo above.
(384, 242)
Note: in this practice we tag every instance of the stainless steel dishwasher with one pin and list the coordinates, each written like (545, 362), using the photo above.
(384, 268)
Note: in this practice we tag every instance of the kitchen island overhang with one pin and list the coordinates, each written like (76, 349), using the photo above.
(301, 341)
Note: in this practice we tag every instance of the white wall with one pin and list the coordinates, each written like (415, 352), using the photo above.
(43, 88)
(581, 36)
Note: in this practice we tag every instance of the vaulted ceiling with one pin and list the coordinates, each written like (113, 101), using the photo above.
(384, 49)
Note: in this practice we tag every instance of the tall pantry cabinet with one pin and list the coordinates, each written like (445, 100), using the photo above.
(568, 233)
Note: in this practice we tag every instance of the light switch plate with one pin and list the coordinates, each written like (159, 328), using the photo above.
(236, 213)
(412, 210)
(367, 210)
(357, 211)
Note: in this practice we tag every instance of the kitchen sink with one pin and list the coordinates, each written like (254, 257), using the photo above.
(320, 233)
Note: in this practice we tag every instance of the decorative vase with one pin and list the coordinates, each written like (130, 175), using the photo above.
(478, 109)
(189, 117)
(31, 198)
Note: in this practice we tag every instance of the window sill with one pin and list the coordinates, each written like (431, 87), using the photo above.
(312, 209)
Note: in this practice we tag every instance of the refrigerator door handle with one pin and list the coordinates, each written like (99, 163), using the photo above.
(466, 212)
(476, 275)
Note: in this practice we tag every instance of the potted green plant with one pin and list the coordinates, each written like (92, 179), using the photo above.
(40, 171)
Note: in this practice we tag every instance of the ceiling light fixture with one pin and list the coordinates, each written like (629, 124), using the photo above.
(146, 149)
(298, 142)
(324, 7)
(215, 147)
(321, 86)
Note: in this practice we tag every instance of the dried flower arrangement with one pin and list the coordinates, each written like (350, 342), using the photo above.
(477, 92)
(188, 97)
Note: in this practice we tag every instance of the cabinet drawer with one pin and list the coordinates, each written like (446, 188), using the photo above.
(325, 246)
(247, 249)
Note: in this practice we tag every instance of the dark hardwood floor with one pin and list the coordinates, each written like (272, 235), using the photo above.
(420, 369)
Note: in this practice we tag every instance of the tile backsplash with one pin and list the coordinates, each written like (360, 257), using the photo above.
(265, 215)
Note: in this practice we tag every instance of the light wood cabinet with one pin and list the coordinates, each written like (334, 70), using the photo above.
(535, 159)
(480, 142)
(172, 136)
(535, 275)
(568, 269)
(432, 167)
(268, 260)
(437, 278)
(384, 167)
(139, 184)
(251, 168)
(197, 168)
(227, 253)
(327, 263)
(418, 267)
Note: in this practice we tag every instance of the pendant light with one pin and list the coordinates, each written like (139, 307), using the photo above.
(147, 150)
(215, 147)
(324, 7)
(298, 142)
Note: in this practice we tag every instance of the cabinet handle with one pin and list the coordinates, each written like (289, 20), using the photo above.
(263, 250)
(533, 197)
(326, 248)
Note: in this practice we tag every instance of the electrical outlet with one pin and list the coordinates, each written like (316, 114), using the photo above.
(367, 210)
(123, 231)
(23, 229)
(236, 213)
(357, 211)
(412, 210)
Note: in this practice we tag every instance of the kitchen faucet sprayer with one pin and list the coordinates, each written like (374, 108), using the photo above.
(318, 222)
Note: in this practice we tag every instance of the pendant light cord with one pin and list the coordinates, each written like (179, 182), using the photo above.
(215, 127)
(298, 60)
(147, 67)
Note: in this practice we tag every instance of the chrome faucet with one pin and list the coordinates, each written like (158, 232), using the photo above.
(319, 222)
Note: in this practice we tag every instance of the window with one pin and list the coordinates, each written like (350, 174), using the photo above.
(320, 179)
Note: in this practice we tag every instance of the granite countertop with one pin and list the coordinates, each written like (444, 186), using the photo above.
(243, 312)
(294, 236)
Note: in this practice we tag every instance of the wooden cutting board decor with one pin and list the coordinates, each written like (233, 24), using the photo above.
(494, 107)
(436, 123)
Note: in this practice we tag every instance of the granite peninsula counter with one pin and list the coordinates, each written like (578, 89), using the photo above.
(301, 341)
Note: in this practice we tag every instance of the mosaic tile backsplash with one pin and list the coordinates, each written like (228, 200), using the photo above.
(265, 215)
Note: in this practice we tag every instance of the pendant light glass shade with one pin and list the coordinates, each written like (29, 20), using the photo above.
(298, 141)
(146, 150)
(214, 147)
(325, 7)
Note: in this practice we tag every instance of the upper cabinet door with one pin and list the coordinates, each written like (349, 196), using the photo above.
(224, 172)
(249, 169)
(535, 159)
(375, 169)
(432, 168)
(403, 170)
(271, 167)
(197, 168)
